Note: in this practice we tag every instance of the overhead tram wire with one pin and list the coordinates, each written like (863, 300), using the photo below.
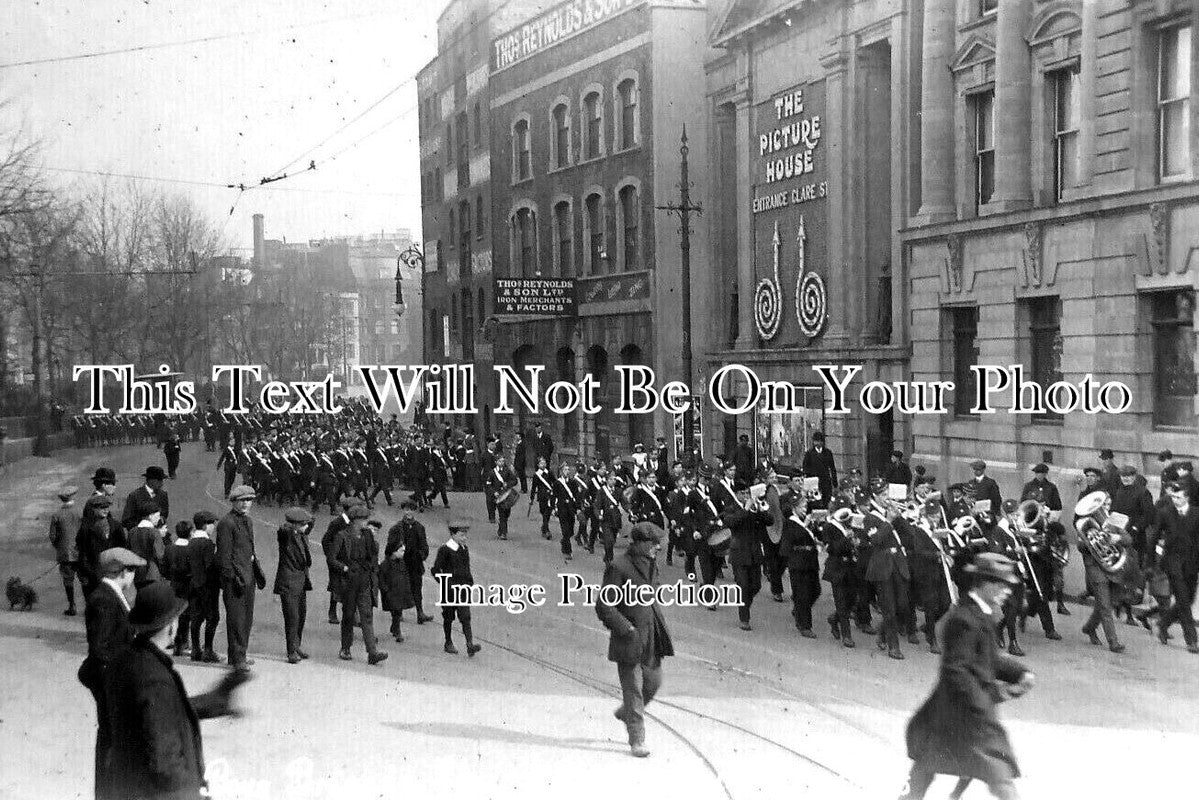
(449, 42)
(216, 185)
(183, 42)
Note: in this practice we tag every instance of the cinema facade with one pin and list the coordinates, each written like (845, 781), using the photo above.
(810, 109)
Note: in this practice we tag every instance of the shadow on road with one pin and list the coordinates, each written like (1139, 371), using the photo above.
(454, 730)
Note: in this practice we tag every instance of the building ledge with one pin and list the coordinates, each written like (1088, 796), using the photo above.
(1117, 203)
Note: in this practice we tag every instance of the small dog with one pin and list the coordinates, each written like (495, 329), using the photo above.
(20, 595)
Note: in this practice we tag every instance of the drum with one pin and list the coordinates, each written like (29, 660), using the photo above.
(507, 498)
(720, 538)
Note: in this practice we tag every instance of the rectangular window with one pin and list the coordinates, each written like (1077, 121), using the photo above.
(1065, 130)
(449, 143)
(1045, 336)
(463, 152)
(479, 217)
(986, 7)
(561, 137)
(630, 213)
(1174, 102)
(522, 158)
(627, 94)
(964, 322)
(1173, 316)
(452, 227)
(478, 127)
(984, 147)
(595, 233)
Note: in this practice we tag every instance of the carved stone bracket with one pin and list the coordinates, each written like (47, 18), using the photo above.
(953, 264)
(1159, 220)
(1034, 274)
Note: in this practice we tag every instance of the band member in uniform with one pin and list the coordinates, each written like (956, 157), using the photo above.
(228, 459)
(706, 520)
(609, 514)
(1045, 492)
(1102, 585)
(566, 506)
(888, 568)
(583, 492)
(498, 482)
(930, 563)
(639, 639)
(543, 494)
(956, 731)
(453, 559)
(819, 463)
(645, 505)
(747, 519)
(797, 549)
(678, 514)
(840, 570)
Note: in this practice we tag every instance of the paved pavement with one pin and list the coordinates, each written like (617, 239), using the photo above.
(742, 715)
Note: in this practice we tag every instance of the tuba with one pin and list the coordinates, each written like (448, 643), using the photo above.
(1095, 526)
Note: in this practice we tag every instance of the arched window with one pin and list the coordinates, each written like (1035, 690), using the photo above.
(566, 372)
(596, 250)
(593, 120)
(525, 237)
(630, 218)
(561, 136)
(468, 328)
(626, 102)
(522, 167)
(452, 226)
(564, 240)
(479, 216)
(482, 307)
(464, 231)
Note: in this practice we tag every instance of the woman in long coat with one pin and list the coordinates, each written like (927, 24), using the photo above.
(956, 731)
(394, 584)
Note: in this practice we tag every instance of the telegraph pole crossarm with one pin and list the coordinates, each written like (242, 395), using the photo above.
(684, 209)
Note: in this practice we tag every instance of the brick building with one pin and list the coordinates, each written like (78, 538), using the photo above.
(1057, 224)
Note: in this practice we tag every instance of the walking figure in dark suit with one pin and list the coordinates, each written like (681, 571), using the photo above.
(956, 731)
(639, 637)
(292, 582)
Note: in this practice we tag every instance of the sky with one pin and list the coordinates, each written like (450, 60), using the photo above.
(231, 110)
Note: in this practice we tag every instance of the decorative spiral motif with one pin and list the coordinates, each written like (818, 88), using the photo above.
(811, 304)
(768, 308)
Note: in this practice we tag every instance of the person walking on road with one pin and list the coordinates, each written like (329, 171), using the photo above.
(639, 637)
(240, 574)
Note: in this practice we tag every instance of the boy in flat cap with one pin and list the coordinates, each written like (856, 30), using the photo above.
(240, 573)
(98, 532)
(64, 526)
(453, 559)
(292, 582)
(106, 619)
(639, 637)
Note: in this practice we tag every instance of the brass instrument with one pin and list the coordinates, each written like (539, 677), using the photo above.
(1097, 527)
(1021, 520)
(939, 537)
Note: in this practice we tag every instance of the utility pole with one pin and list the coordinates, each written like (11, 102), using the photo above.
(685, 208)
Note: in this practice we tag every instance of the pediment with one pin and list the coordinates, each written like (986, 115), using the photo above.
(975, 50)
(1056, 19)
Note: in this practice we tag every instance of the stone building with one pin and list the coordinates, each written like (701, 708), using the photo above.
(812, 111)
(1057, 227)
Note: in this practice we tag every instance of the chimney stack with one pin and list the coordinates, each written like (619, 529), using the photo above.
(259, 243)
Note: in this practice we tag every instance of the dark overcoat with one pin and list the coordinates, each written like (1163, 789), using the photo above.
(295, 559)
(639, 633)
(394, 585)
(156, 746)
(956, 731)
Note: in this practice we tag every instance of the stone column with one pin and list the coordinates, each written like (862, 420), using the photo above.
(1086, 85)
(745, 223)
(936, 115)
(1013, 108)
(844, 306)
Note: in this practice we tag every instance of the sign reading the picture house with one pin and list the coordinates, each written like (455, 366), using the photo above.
(555, 26)
(788, 152)
(547, 297)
